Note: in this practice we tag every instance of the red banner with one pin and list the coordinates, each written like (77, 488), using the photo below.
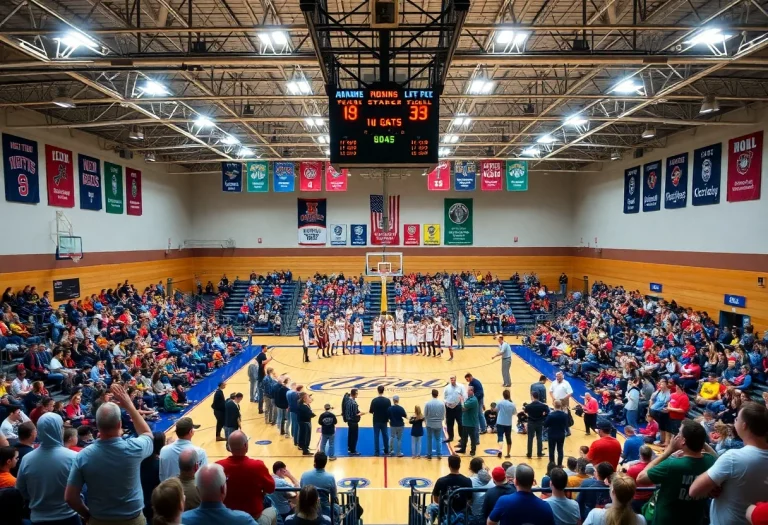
(491, 175)
(59, 175)
(334, 180)
(411, 235)
(133, 191)
(745, 165)
(439, 179)
(310, 176)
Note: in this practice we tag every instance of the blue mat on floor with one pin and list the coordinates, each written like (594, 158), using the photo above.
(365, 443)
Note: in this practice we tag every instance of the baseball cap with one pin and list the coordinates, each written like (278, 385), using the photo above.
(184, 426)
(499, 475)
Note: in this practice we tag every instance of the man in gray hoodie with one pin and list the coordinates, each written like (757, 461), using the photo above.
(43, 474)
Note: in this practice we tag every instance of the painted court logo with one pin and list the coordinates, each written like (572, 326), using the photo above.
(372, 383)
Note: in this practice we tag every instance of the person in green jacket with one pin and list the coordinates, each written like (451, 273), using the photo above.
(175, 401)
(469, 423)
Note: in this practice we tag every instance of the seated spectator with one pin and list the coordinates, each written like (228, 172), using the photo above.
(283, 501)
(25, 443)
(591, 499)
(622, 492)
(522, 506)
(211, 484)
(634, 470)
(10, 426)
(710, 390)
(308, 509)
(565, 510)
(502, 486)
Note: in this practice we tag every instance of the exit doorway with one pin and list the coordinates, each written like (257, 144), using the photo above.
(730, 319)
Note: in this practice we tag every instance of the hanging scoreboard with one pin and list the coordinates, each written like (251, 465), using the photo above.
(384, 125)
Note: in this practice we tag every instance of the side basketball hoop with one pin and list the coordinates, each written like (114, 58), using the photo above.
(76, 257)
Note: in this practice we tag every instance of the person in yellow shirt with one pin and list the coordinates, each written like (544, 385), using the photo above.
(709, 391)
(576, 479)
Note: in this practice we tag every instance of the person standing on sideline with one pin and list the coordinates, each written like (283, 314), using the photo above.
(253, 381)
(505, 411)
(505, 353)
(328, 422)
(480, 396)
(590, 412)
(169, 454)
(380, 412)
(462, 326)
(540, 386)
(556, 424)
(397, 417)
(352, 414)
(417, 431)
(262, 360)
(292, 396)
(537, 412)
(305, 416)
(561, 390)
(232, 420)
(306, 340)
(453, 395)
(219, 407)
(469, 423)
(563, 284)
(522, 507)
(434, 413)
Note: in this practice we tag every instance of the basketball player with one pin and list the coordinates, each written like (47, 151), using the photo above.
(449, 334)
(321, 336)
(357, 336)
(410, 335)
(421, 336)
(376, 333)
(389, 333)
(438, 336)
(330, 329)
(341, 333)
(400, 334)
(429, 337)
(306, 340)
(399, 314)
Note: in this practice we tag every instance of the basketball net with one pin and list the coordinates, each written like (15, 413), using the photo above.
(76, 257)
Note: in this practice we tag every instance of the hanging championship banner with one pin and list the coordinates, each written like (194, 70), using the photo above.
(465, 174)
(312, 230)
(431, 235)
(745, 164)
(257, 176)
(338, 234)
(284, 177)
(490, 176)
(439, 179)
(652, 186)
(335, 180)
(113, 188)
(133, 191)
(359, 235)
(458, 222)
(310, 176)
(676, 182)
(381, 235)
(631, 190)
(89, 169)
(22, 183)
(231, 177)
(517, 175)
(59, 177)
(411, 235)
(706, 175)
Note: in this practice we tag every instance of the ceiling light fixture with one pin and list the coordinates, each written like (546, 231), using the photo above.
(627, 86)
(265, 39)
(444, 152)
(135, 133)
(615, 154)
(75, 39)
(154, 88)
(480, 86)
(327, 152)
(62, 100)
(149, 157)
(531, 151)
(710, 105)
(203, 122)
(505, 36)
(709, 37)
(546, 139)
(280, 38)
(229, 140)
(648, 133)
(245, 152)
(575, 121)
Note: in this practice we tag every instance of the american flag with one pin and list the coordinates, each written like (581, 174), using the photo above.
(380, 236)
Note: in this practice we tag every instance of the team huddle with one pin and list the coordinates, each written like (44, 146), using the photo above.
(428, 336)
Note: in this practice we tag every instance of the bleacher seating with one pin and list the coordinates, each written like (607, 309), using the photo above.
(484, 301)
(419, 294)
(240, 291)
(334, 294)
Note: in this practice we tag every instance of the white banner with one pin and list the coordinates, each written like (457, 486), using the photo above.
(338, 234)
(312, 236)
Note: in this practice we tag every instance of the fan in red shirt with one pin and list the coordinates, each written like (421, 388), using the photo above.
(646, 455)
(248, 480)
(677, 408)
(758, 514)
(606, 448)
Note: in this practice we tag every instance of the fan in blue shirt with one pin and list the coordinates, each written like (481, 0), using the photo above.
(522, 507)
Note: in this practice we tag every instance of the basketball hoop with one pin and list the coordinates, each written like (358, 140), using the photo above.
(76, 257)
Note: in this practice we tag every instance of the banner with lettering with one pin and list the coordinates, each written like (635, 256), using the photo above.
(359, 235)
(89, 169)
(335, 180)
(490, 176)
(257, 176)
(285, 177)
(20, 170)
(113, 187)
(465, 175)
(706, 175)
(338, 234)
(411, 235)
(431, 235)
(745, 165)
(652, 186)
(676, 182)
(439, 179)
(133, 191)
(458, 222)
(385, 232)
(310, 176)
(517, 175)
(312, 230)
(59, 177)
(231, 177)
(631, 190)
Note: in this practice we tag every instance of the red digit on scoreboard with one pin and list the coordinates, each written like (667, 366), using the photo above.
(418, 113)
(350, 113)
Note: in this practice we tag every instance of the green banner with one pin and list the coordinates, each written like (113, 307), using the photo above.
(257, 174)
(517, 175)
(458, 222)
(113, 182)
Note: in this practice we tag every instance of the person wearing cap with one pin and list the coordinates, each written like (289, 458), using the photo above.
(606, 448)
(502, 486)
(328, 423)
(522, 507)
(397, 416)
(169, 455)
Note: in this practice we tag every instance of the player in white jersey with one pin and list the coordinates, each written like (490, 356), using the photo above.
(400, 335)
(389, 334)
(341, 333)
(410, 336)
(400, 314)
(376, 333)
(357, 337)
(429, 337)
(332, 339)
(438, 337)
(421, 334)
(449, 334)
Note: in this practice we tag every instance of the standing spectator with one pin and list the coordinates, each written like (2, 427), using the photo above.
(676, 409)
(641, 497)
(522, 507)
(632, 407)
(322, 480)
(556, 424)
(211, 483)
(563, 283)
(434, 413)
(537, 412)
(307, 509)
(149, 473)
(565, 510)
(758, 514)
(25, 445)
(232, 419)
(606, 447)
(352, 414)
(462, 326)
(328, 423)
(219, 407)
(380, 412)
(505, 353)
(632, 445)
(620, 512)
(169, 455)
(501, 487)
(469, 422)
(477, 386)
(283, 501)
(561, 390)
(262, 360)
(590, 412)
(397, 417)
(590, 499)
(540, 386)
(187, 469)
(167, 501)
(454, 480)
(305, 416)
(505, 411)
(453, 395)
(9, 458)
(417, 431)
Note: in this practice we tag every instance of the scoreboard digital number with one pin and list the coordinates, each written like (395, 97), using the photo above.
(381, 126)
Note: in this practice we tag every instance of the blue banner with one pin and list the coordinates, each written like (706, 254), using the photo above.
(706, 175)
(652, 186)
(285, 177)
(735, 300)
(465, 175)
(89, 171)
(656, 287)
(231, 177)
(359, 234)
(676, 182)
(22, 174)
(632, 190)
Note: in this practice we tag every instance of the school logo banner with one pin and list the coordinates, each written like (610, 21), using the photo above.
(338, 234)
(133, 190)
(431, 235)
(458, 222)
(439, 179)
(60, 177)
(312, 230)
(706, 175)
(231, 177)
(631, 190)
(359, 235)
(465, 172)
(22, 183)
(285, 177)
(113, 174)
(517, 175)
(89, 169)
(490, 175)
(381, 235)
(651, 186)
(745, 163)
(335, 180)
(411, 235)
(310, 176)
(676, 182)
(257, 173)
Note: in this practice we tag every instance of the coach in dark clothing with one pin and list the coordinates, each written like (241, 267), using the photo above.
(380, 412)
(557, 427)
(477, 386)
(540, 387)
(232, 415)
(281, 402)
(219, 407)
(352, 416)
(537, 412)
